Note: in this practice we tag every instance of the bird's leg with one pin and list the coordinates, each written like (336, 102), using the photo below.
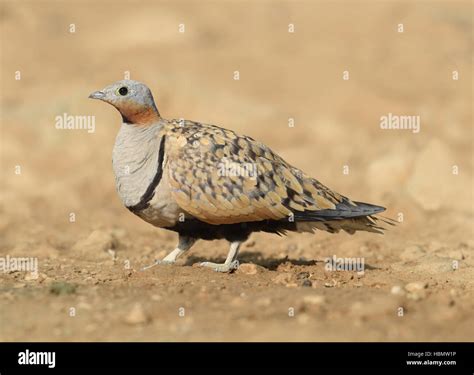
(230, 264)
(184, 244)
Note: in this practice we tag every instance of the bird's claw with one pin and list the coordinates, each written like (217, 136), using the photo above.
(158, 262)
(221, 267)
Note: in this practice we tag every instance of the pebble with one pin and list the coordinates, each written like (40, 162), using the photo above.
(30, 276)
(397, 290)
(248, 269)
(416, 290)
(332, 284)
(113, 254)
(303, 275)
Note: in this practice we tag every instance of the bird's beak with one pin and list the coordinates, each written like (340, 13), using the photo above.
(97, 95)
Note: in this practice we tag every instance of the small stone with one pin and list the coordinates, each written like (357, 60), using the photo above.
(248, 269)
(332, 284)
(416, 290)
(44, 279)
(416, 286)
(397, 290)
(307, 283)
(137, 315)
(113, 254)
(302, 276)
(31, 276)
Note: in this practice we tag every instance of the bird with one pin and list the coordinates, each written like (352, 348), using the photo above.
(206, 182)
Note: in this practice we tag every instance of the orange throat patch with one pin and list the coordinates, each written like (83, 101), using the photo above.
(140, 115)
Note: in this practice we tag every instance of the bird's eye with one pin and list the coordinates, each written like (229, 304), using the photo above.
(123, 91)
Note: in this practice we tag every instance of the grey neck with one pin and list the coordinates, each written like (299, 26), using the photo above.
(135, 161)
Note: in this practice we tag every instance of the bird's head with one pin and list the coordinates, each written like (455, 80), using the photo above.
(132, 99)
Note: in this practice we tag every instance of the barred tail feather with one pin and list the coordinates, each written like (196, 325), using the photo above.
(351, 225)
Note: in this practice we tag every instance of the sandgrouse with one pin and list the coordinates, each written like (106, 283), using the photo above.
(206, 182)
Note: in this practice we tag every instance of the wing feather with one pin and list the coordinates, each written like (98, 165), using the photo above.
(220, 177)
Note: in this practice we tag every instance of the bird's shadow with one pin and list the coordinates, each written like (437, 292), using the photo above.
(258, 258)
(255, 257)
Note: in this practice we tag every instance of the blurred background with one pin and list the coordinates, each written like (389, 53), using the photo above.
(424, 179)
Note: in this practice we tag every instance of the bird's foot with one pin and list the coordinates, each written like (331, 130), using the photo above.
(158, 262)
(221, 267)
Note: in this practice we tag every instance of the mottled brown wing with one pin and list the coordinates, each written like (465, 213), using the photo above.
(220, 177)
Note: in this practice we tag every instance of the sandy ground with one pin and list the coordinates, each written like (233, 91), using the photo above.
(58, 200)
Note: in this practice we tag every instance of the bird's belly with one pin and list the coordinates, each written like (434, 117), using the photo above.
(160, 215)
(162, 209)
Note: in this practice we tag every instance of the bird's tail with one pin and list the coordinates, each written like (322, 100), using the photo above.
(349, 217)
